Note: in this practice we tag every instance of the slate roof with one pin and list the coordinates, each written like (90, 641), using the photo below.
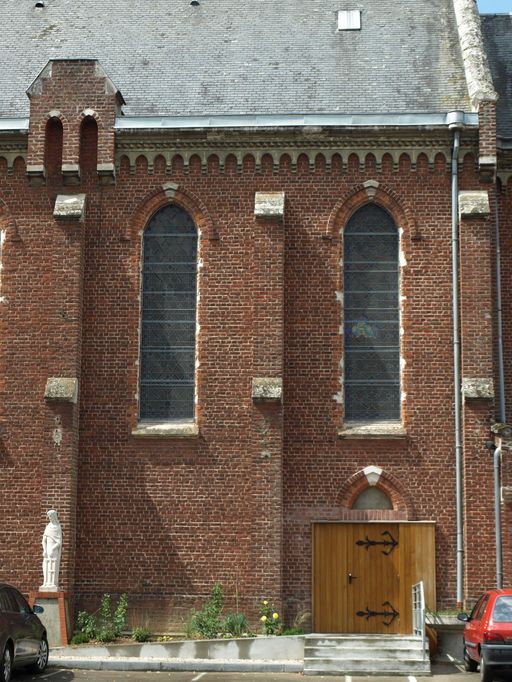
(497, 35)
(243, 56)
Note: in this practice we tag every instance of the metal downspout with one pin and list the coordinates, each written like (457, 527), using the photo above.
(456, 363)
(502, 416)
(501, 367)
(497, 516)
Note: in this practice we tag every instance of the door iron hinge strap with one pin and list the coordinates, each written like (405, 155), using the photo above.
(386, 614)
(391, 543)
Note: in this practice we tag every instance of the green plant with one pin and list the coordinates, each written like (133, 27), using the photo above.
(270, 618)
(235, 624)
(120, 615)
(207, 622)
(292, 631)
(141, 634)
(79, 638)
(87, 624)
(190, 632)
(105, 631)
(104, 625)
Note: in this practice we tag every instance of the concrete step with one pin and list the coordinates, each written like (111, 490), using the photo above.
(362, 653)
(342, 646)
(327, 666)
(370, 640)
(365, 655)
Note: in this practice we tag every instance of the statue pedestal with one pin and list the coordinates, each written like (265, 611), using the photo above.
(55, 617)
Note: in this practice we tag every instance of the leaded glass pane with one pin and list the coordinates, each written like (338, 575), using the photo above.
(370, 366)
(168, 334)
(166, 401)
(372, 498)
(372, 402)
(371, 314)
(371, 219)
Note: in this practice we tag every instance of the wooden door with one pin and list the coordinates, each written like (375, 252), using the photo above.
(357, 582)
(363, 574)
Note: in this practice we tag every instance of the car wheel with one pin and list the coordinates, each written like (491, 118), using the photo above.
(42, 658)
(470, 665)
(486, 671)
(6, 665)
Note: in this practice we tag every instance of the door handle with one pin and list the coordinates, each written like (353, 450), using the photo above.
(351, 578)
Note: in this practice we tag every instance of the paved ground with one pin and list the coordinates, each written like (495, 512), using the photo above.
(441, 673)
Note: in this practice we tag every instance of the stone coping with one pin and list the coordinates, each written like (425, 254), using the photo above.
(166, 430)
(383, 430)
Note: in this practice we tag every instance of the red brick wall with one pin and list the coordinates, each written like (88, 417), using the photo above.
(164, 519)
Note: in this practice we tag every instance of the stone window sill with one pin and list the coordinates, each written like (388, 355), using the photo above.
(383, 430)
(166, 430)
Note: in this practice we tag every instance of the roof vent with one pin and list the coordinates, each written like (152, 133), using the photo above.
(349, 20)
(39, 3)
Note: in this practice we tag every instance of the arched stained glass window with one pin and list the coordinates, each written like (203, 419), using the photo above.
(372, 317)
(168, 335)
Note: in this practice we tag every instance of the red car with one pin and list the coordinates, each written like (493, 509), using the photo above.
(488, 634)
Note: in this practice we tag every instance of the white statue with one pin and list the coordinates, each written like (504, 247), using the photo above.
(52, 548)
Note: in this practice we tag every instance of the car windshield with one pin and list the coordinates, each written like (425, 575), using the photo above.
(502, 612)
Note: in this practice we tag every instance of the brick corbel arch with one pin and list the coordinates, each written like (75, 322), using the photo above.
(171, 194)
(370, 192)
(388, 483)
(57, 115)
(89, 113)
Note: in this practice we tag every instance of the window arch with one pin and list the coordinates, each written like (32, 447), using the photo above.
(89, 145)
(372, 317)
(53, 147)
(168, 317)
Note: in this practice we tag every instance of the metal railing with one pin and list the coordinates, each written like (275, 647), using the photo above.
(418, 613)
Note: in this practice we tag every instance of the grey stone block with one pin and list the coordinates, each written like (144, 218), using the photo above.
(506, 494)
(502, 430)
(36, 175)
(71, 173)
(61, 389)
(267, 389)
(477, 389)
(106, 173)
(69, 207)
(474, 203)
(269, 205)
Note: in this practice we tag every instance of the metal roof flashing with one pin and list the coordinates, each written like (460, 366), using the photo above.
(414, 120)
(272, 122)
(15, 125)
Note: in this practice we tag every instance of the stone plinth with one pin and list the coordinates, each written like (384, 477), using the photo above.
(55, 617)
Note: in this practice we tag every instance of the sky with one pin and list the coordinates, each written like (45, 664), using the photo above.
(490, 6)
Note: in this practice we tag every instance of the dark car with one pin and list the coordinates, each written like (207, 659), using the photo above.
(488, 634)
(23, 638)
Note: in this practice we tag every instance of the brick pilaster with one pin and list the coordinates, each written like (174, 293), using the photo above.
(268, 357)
